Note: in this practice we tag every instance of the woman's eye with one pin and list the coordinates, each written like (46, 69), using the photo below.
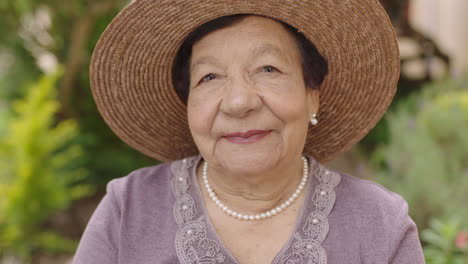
(208, 77)
(269, 69)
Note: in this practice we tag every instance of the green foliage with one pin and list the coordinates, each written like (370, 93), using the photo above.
(39, 171)
(426, 159)
(3, 120)
(444, 242)
(76, 21)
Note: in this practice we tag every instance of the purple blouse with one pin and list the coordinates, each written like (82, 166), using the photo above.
(156, 215)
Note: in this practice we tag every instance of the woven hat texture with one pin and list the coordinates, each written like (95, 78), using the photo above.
(131, 69)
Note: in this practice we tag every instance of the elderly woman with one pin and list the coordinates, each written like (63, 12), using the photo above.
(227, 93)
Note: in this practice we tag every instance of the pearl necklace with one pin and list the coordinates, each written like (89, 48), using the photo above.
(261, 216)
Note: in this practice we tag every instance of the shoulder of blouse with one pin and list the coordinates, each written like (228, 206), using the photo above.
(148, 182)
(378, 215)
(366, 194)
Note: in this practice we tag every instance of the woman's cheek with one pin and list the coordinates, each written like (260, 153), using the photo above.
(280, 84)
(201, 110)
(278, 99)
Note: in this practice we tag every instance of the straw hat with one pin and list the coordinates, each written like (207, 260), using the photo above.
(131, 69)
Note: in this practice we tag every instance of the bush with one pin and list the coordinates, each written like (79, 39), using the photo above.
(39, 171)
(426, 159)
(446, 242)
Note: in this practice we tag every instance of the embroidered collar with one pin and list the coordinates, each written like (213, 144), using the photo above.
(196, 241)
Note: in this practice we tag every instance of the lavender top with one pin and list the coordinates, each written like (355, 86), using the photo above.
(156, 215)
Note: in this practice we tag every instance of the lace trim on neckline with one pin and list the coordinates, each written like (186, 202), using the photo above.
(194, 246)
(307, 244)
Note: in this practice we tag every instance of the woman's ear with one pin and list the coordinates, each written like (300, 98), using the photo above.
(313, 100)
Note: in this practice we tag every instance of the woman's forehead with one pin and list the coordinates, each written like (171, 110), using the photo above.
(257, 35)
(254, 27)
(262, 50)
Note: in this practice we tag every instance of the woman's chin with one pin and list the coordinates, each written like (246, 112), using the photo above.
(251, 162)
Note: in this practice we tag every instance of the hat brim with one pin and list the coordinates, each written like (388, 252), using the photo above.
(131, 69)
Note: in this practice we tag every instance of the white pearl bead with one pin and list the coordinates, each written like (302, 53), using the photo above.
(262, 216)
(229, 212)
(257, 217)
(240, 216)
(251, 218)
(234, 214)
(273, 212)
(268, 214)
(246, 217)
(315, 221)
(322, 193)
(278, 209)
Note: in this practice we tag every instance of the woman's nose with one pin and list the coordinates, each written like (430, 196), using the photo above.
(240, 98)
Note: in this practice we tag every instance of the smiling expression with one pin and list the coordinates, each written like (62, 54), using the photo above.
(248, 107)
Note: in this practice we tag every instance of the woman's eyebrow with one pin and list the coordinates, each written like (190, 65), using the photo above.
(267, 49)
(204, 60)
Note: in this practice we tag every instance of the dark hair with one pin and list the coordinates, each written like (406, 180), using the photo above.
(314, 66)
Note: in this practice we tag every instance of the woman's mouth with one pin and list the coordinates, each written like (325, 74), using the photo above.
(246, 137)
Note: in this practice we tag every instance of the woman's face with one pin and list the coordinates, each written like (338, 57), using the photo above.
(248, 107)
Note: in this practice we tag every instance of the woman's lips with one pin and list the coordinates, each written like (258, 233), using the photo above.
(246, 137)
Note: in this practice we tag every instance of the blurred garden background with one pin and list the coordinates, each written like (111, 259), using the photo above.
(56, 153)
